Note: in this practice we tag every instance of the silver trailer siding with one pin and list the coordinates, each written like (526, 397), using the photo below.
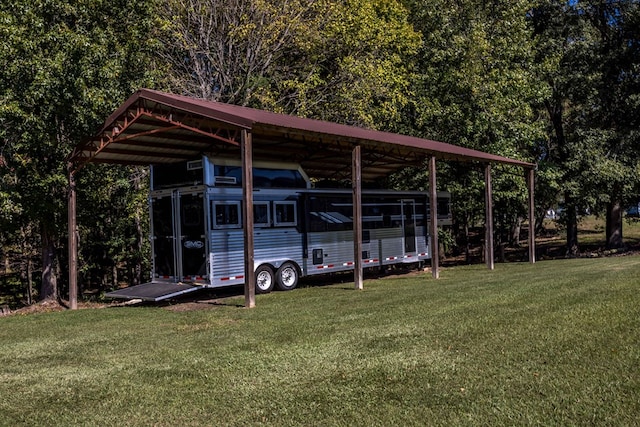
(271, 246)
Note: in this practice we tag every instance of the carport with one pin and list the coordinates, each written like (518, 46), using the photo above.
(153, 127)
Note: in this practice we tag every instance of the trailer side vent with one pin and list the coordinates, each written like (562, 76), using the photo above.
(194, 165)
(225, 180)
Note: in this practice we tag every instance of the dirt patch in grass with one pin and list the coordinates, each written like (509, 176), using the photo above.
(50, 306)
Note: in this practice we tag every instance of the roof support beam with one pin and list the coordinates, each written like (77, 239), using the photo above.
(532, 217)
(488, 226)
(247, 218)
(433, 208)
(169, 120)
(178, 156)
(146, 133)
(180, 145)
(356, 184)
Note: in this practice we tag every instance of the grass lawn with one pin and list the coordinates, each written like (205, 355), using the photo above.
(555, 343)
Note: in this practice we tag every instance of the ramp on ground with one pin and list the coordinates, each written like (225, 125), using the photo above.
(154, 291)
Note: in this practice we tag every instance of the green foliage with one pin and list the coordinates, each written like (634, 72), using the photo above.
(478, 87)
(589, 52)
(478, 81)
(63, 67)
(114, 224)
(447, 240)
(352, 65)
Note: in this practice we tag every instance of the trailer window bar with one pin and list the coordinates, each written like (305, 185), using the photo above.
(284, 214)
(261, 214)
(226, 214)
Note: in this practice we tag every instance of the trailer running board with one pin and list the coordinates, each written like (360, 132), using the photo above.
(154, 291)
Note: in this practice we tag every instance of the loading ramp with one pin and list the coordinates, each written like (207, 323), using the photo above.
(154, 291)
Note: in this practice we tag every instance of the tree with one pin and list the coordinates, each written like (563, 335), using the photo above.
(226, 50)
(325, 59)
(355, 65)
(609, 135)
(63, 67)
(478, 87)
(591, 54)
(113, 226)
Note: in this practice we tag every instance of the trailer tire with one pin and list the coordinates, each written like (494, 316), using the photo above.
(287, 276)
(265, 279)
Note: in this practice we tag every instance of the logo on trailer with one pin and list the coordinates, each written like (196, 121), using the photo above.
(193, 244)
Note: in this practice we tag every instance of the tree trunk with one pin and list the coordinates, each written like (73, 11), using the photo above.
(114, 273)
(29, 281)
(49, 284)
(539, 227)
(572, 226)
(515, 232)
(614, 224)
(467, 249)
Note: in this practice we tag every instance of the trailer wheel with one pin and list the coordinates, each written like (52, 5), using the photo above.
(265, 279)
(287, 276)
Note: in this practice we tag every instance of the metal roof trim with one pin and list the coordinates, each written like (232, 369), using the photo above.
(254, 119)
(258, 121)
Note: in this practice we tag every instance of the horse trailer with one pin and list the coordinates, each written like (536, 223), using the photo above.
(197, 231)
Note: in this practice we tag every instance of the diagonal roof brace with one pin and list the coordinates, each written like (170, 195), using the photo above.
(123, 130)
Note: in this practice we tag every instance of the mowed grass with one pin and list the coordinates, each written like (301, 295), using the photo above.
(555, 343)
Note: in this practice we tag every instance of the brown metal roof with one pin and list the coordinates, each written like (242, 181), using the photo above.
(157, 127)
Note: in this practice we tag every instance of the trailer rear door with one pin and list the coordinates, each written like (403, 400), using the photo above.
(179, 241)
(192, 242)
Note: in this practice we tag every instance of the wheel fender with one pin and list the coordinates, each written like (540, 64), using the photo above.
(276, 263)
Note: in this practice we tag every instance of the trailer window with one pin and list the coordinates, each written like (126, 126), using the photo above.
(262, 177)
(261, 215)
(191, 213)
(330, 213)
(381, 214)
(176, 175)
(226, 214)
(443, 207)
(284, 214)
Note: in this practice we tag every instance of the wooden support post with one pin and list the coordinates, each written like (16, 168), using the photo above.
(488, 200)
(356, 184)
(532, 216)
(73, 239)
(247, 219)
(433, 207)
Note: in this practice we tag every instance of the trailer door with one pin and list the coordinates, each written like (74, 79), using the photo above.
(178, 236)
(192, 242)
(409, 226)
(162, 241)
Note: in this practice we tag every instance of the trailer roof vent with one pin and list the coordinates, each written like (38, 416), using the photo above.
(225, 180)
